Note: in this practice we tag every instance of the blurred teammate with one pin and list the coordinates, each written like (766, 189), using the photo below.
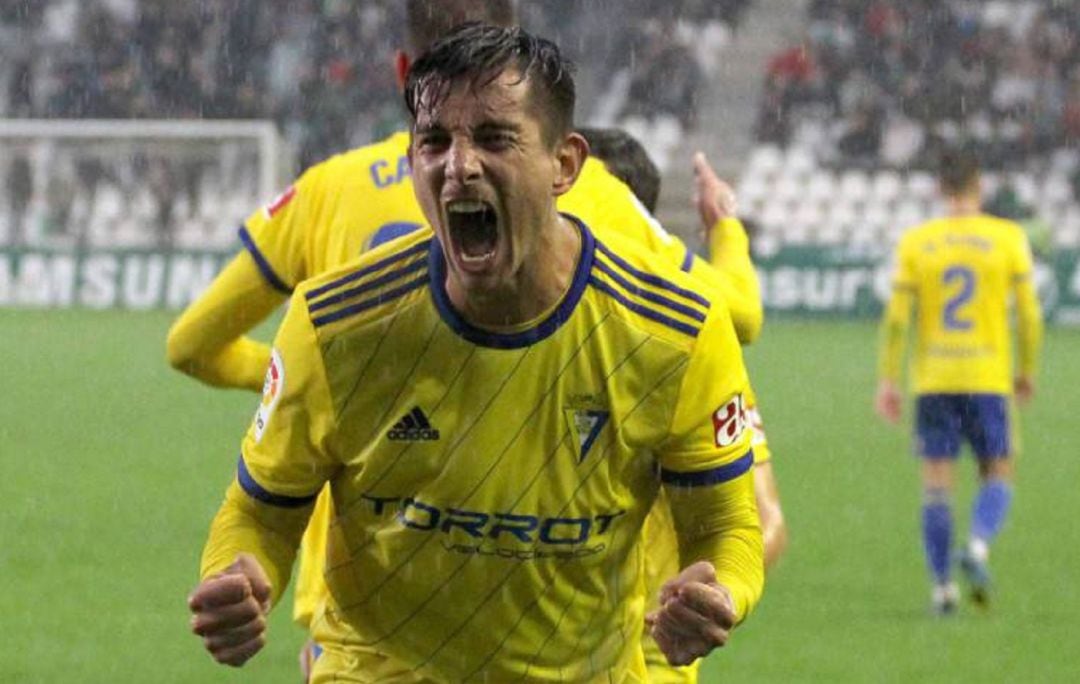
(452, 392)
(714, 199)
(960, 273)
(627, 159)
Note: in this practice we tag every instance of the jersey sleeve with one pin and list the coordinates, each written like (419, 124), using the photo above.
(286, 450)
(285, 458)
(207, 340)
(1029, 322)
(276, 235)
(706, 466)
(732, 272)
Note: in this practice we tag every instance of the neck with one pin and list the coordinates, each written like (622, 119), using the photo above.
(543, 279)
(964, 205)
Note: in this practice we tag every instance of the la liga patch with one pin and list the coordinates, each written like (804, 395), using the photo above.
(273, 387)
(729, 421)
(280, 201)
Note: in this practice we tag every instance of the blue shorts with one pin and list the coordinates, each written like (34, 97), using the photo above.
(944, 421)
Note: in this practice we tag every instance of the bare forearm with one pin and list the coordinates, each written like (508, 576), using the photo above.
(773, 527)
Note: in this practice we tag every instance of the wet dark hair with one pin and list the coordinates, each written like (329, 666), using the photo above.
(426, 21)
(478, 54)
(958, 170)
(627, 160)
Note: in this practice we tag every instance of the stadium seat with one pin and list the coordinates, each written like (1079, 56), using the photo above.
(788, 188)
(1067, 232)
(775, 218)
(854, 185)
(821, 187)
(1055, 188)
(1026, 188)
(910, 211)
(752, 188)
(887, 185)
(922, 184)
(800, 160)
(1065, 160)
(765, 159)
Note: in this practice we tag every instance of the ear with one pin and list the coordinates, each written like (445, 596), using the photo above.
(570, 156)
(401, 67)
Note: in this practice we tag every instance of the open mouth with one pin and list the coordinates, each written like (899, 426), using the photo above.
(474, 231)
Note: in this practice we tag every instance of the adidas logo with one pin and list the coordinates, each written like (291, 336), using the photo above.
(413, 427)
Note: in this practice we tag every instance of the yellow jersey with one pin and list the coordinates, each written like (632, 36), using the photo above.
(364, 197)
(490, 488)
(961, 274)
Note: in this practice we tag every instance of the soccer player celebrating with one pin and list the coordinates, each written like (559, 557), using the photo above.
(494, 408)
(959, 273)
(363, 198)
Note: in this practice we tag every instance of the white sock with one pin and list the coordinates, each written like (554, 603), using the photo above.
(979, 549)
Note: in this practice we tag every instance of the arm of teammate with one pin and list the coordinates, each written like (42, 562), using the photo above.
(766, 492)
(283, 464)
(207, 341)
(892, 338)
(707, 475)
(729, 250)
(1029, 326)
(773, 526)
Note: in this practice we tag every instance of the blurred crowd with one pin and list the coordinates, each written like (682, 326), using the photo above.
(319, 68)
(885, 82)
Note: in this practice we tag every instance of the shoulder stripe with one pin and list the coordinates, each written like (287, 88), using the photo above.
(377, 300)
(650, 278)
(714, 476)
(256, 491)
(367, 270)
(264, 266)
(687, 261)
(645, 311)
(650, 296)
(341, 296)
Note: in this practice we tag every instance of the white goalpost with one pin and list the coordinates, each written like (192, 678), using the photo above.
(133, 214)
(84, 184)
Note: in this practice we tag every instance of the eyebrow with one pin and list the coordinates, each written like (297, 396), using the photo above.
(483, 126)
(499, 126)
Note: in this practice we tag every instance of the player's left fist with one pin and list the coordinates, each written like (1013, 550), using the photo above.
(696, 615)
(229, 611)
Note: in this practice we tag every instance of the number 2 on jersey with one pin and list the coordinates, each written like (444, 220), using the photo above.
(952, 315)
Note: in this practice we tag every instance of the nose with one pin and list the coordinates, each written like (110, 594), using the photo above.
(463, 164)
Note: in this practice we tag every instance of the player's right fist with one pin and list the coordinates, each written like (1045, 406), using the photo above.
(229, 611)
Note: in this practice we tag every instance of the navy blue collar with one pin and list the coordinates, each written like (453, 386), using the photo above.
(487, 338)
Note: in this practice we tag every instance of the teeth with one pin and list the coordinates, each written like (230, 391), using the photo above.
(465, 206)
(475, 259)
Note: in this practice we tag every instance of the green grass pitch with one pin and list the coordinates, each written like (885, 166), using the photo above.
(113, 466)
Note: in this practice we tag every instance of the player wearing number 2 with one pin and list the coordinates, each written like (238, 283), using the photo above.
(961, 273)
